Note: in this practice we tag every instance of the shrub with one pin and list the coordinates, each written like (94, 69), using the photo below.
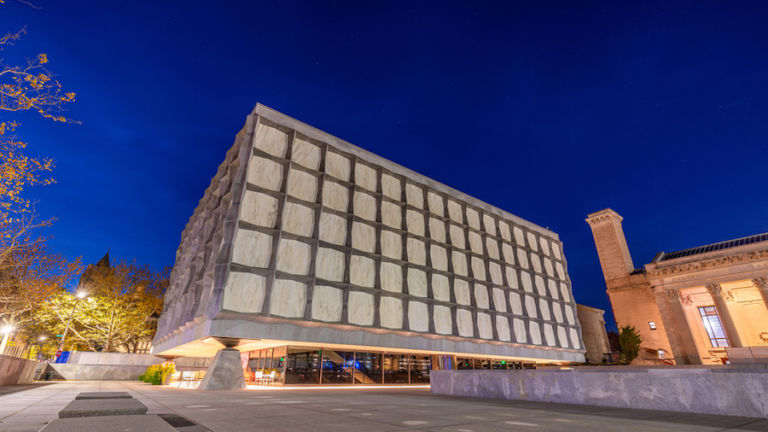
(629, 340)
(155, 373)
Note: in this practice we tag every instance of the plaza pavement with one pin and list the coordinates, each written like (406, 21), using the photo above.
(29, 408)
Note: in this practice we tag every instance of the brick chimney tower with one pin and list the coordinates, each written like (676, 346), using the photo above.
(611, 247)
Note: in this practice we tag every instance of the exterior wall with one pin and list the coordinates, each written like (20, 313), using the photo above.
(15, 370)
(723, 391)
(325, 235)
(593, 333)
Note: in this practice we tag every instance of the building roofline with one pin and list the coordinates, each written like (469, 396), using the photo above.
(727, 244)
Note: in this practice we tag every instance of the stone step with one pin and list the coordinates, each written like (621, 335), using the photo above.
(103, 395)
(122, 423)
(102, 407)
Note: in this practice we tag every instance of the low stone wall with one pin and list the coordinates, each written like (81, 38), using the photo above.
(90, 372)
(112, 358)
(715, 390)
(15, 370)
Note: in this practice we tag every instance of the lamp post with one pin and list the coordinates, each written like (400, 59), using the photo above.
(6, 331)
(80, 295)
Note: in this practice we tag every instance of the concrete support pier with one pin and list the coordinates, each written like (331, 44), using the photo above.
(225, 373)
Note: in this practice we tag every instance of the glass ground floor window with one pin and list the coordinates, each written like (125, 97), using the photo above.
(321, 365)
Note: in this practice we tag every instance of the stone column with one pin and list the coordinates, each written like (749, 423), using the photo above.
(225, 373)
(762, 286)
(716, 291)
(676, 326)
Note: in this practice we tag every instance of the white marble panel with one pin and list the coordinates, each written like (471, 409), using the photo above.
(553, 291)
(556, 250)
(478, 268)
(437, 230)
(391, 277)
(414, 195)
(417, 251)
(575, 342)
(522, 258)
(526, 278)
(244, 292)
(532, 242)
(391, 244)
(492, 246)
(391, 214)
(457, 236)
(415, 222)
(536, 262)
(473, 218)
(494, 270)
(363, 237)
(298, 219)
(252, 248)
(511, 277)
(540, 287)
(335, 196)
(569, 315)
(519, 237)
(271, 140)
(504, 231)
(499, 300)
(461, 291)
(544, 309)
(502, 328)
(327, 303)
(441, 288)
(530, 307)
(521, 336)
(362, 271)
(333, 229)
(337, 165)
(288, 298)
(454, 211)
(265, 173)
(360, 308)
(365, 177)
(489, 223)
(435, 202)
(439, 257)
(557, 311)
(481, 296)
(418, 316)
(329, 264)
(464, 323)
(442, 319)
(302, 185)
(305, 153)
(364, 206)
(475, 243)
(533, 329)
(259, 209)
(565, 292)
(548, 267)
(544, 245)
(562, 337)
(549, 335)
(391, 187)
(515, 304)
(459, 261)
(293, 257)
(391, 312)
(509, 253)
(560, 271)
(417, 282)
(484, 326)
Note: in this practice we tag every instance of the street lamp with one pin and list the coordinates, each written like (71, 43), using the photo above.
(6, 331)
(78, 296)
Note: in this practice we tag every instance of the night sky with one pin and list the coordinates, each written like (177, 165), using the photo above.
(549, 111)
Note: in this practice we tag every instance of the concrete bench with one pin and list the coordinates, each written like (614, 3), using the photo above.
(123, 423)
(104, 395)
(102, 407)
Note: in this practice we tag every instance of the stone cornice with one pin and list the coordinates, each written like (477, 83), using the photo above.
(606, 215)
(655, 270)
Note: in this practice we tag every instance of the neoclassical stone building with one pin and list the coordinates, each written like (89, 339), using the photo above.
(702, 305)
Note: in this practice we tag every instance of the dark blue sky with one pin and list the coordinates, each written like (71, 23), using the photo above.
(547, 110)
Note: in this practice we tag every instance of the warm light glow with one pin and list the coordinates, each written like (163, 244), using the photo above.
(42, 338)
(337, 387)
(81, 294)
(7, 329)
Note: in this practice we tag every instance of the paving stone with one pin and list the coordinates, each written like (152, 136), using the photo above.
(104, 395)
(122, 423)
(102, 407)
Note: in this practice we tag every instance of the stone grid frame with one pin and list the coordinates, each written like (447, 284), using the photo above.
(487, 227)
